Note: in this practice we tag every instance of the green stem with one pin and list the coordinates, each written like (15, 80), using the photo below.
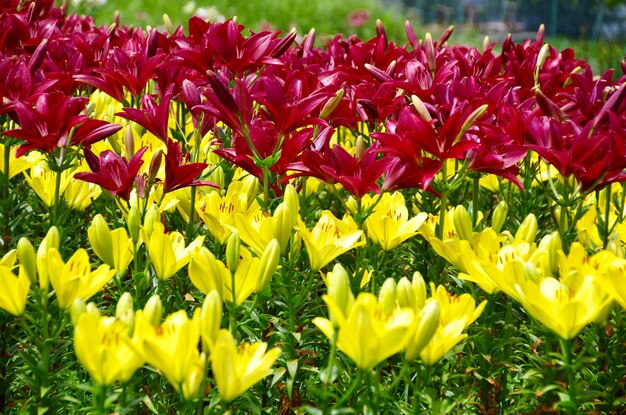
(5, 169)
(444, 201)
(475, 194)
(607, 212)
(566, 349)
(57, 196)
(266, 187)
(99, 399)
(331, 358)
(371, 396)
(355, 383)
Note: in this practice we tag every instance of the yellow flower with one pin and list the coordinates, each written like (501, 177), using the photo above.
(218, 212)
(13, 290)
(567, 305)
(172, 348)
(18, 165)
(329, 238)
(368, 335)
(75, 279)
(617, 277)
(102, 346)
(168, 252)
(42, 180)
(237, 368)
(114, 247)
(456, 313)
(389, 224)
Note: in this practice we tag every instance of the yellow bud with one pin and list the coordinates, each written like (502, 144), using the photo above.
(419, 288)
(616, 248)
(125, 311)
(210, 319)
(153, 310)
(387, 295)
(134, 224)
(152, 217)
(92, 309)
(233, 246)
(283, 225)
(167, 23)
(100, 239)
(359, 148)
(531, 273)
(405, 295)
(554, 251)
(28, 258)
(250, 188)
(52, 240)
(472, 118)
(77, 308)
(268, 265)
(527, 229)
(427, 323)
(499, 216)
(290, 197)
(339, 289)
(541, 58)
(557, 214)
(462, 223)
(155, 165)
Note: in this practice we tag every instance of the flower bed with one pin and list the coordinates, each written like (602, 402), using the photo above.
(213, 220)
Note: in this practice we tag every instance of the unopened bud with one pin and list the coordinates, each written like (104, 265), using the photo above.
(155, 165)
(616, 248)
(499, 216)
(290, 197)
(527, 229)
(462, 223)
(541, 59)
(531, 273)
(331, 104)
(129, 141)
(77, 308)
(268, 265)
(427, 324)
(250, 188)
(486, 42)
(429, 49)
(92, 309)
(233, 246)
(339, 290)
(472, 118)
(359, 148)
(283, 225)
(421, 109)
(28, 258)
(167, 23)
(134, 224)
(217, 176)
(419, 288)
(387, 295)
(51, 240)
(100, 239)
(153, 310)
(405, 295)
(210, 319)
(150, 220)
(125, 311)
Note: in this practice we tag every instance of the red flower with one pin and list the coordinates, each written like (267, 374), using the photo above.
(151, 116)
(112, 172)
(178, 174)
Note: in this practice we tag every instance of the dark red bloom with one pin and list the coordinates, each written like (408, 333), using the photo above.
(177, 173)
(152, 116)
(112, 172)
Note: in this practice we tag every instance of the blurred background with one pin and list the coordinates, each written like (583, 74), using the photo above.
(595, 29)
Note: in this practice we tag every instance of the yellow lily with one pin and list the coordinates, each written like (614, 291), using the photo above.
(456, 313)
(389, 224)
(13, 290)
(168, 252)
(75, 279)
(218, 212)
(18, 165)
(329, 238)
(114, 247)
(237, 368)
(172, 348)
(567, 305)
(368, 335)
(42, 180)
(102, 346)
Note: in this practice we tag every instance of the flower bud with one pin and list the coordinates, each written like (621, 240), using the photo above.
(290, 197)
(250, 188)
(268, 265)
(92, 309)
(151, 218)
(616, 248)
(531, 273)
(554, 249)
(359, 148)
(217, 176)
(52, 240)
(421, 109)
(100, 239)
(125, 311)
(28, 258)
(463, 223)
(419, 288)
(387, 295)
(233, 246)
(427, 324)
(283, 225)
(339, 290)
(133, 224)
(405, 295)
(38, 56)
(332, 103)
(429, 49)
(77, 308)
(155, 165)
(472, 118)
(129, 141)
(153, 310)
(499, 216)
(527, 229)
(541, 58)
(167, 23)
(210, 319)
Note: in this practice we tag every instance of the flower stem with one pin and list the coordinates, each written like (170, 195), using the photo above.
(444, 200)
(355, 383)
(566, 349)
